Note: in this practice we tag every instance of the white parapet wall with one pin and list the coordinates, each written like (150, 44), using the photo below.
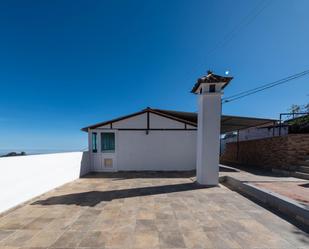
(25, 177)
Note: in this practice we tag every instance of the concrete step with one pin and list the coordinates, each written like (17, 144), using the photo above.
(303, 169)
(301, 175)
(305, 162)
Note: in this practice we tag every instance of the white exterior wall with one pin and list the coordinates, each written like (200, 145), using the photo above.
(159, 150)
(258, 133)
(25, 177)
(158, 122)
(139, 121)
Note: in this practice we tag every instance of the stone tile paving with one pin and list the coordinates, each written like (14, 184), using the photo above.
(256, 175)
(145, 210)
(297, 191)
(291, 187)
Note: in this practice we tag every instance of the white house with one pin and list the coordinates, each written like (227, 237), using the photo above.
(152, 139)
(158, 140)
(147, 140)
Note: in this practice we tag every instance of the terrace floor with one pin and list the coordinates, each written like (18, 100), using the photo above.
(145, 210)
(294, 188)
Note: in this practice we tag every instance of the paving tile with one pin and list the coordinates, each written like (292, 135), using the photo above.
(146, 239)
(207, 218)
(145, 225)
(222, 240)
(12, 223)
(18, 238)
(197, 238)
(40, 248)
(127, 224)
(69, 239)
(167, 224)
(93, 239)
(5, 233)
(38, 223)
(146, 214)
(12, 247)
(102, 225)
(120, 239)
(60, 224)
(172, 239)
(44, 238)
(188, 225)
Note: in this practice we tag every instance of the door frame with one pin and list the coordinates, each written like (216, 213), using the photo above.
(97, 158)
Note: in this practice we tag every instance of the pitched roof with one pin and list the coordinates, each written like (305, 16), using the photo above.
(228, 123)
(211, 78)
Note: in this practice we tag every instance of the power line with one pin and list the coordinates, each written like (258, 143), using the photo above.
(255, 12)
(268, 84)
(245, 21)
(264, 87)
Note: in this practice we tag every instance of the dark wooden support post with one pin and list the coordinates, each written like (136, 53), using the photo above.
(237, 155)
(220, 149)
(148, 123)
(274, 126)
(280, 124)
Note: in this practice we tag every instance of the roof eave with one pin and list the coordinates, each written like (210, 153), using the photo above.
(198, 83)
(138, 113)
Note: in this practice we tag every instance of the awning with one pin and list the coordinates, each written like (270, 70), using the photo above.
(234, 123)
(228, 123)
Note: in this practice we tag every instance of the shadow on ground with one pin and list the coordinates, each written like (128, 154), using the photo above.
(306, 185)
(125, 175)
(92, 198)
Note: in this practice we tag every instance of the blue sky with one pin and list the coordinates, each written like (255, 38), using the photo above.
(67, 64)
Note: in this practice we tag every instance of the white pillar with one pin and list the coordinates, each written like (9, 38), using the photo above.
(208, 138)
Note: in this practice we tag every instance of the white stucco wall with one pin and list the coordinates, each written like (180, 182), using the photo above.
(258, 133)
(159, 122)
(159, 150)
(139, 121)
(24, 177)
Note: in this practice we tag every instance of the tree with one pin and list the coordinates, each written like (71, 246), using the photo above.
(306, 108)
(294, 109)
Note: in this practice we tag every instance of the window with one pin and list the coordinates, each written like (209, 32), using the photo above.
(94, 142)
(212, 88)
(107, 142)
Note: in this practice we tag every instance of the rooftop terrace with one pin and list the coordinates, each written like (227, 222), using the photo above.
(145, 210)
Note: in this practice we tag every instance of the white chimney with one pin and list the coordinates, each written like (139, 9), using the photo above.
(209, 88)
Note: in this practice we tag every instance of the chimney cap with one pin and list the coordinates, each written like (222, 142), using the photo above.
(211, 78)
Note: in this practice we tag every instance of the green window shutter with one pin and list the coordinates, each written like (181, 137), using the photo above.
(107, 142)
(94, 142)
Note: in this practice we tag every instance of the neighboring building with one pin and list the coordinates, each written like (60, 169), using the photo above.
(258, 132)
(152, 139)
(295, 125)
(298, 124)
